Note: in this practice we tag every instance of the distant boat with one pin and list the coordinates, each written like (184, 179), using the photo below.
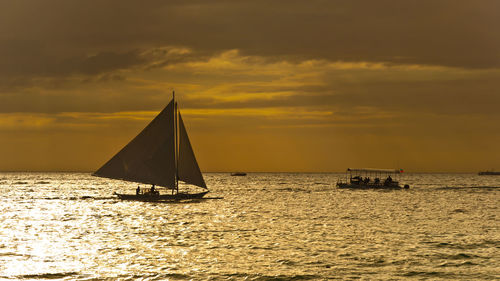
(238, 174)
(161, 155)
(368, 178)
(489, 173)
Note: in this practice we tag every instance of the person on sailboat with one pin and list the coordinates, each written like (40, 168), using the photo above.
(153, 190)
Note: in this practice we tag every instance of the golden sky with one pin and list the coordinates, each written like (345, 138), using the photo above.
(312, 86)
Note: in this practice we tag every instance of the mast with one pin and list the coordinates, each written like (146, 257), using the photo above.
(176, 147)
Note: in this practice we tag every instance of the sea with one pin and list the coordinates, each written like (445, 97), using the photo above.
(263, 226)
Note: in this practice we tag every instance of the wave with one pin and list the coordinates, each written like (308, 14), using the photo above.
(51, 198)
(97, 197)
(12, 254)
(86, 197)
(467, 187)
(174, 276)
(452, 264)
(60, 198)
(286, 262)
(484, 244)
(58, 275)
(459, 256)
(294, 189)
(259, 277)
(424, 274)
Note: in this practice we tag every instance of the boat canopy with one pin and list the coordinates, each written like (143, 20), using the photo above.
(372, 170)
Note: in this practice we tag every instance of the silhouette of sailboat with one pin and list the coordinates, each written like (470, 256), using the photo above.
(159, 155)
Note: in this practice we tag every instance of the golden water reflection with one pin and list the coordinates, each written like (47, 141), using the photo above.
(67, 226)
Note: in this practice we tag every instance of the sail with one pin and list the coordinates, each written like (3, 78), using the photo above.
(189, 171)
(150, 157)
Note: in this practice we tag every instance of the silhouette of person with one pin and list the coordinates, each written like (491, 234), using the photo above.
(388, 181)
(138, 190)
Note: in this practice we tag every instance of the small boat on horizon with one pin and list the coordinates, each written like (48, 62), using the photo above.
(489, 173)
(160, 155)
(238, 174)
(369, 178)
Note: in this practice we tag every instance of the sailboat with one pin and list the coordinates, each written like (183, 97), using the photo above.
(160, 155)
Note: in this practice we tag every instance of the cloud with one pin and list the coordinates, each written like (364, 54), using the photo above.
(446, 32)
(322, 77)
(71, 122)
(236, 54)
(230, 80)
(334, 85)
(31, 60)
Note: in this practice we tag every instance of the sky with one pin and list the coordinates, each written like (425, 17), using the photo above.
(269, 86)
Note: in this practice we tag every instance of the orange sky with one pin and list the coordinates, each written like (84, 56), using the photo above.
(312, 86)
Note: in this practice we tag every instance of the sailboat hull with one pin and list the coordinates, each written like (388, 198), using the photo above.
(162, 197)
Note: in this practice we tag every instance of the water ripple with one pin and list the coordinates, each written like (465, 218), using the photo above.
(267, 227)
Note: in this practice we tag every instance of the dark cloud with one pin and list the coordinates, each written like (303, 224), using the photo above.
(105, 62)
(476, 96)
(24, 58)
(40, 37)
(457, 97)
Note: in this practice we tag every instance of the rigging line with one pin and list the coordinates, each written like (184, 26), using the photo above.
(176, 147)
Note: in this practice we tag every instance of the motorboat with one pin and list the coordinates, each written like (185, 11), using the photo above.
(370, 178)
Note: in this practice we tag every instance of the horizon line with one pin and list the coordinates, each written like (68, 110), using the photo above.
(233, 171)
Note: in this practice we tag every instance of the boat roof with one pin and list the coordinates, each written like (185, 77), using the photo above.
(373, 170)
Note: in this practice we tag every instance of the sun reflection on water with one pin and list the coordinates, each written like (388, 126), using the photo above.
(67, 226)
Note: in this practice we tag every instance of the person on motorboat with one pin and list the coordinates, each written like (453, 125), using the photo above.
(356, 180)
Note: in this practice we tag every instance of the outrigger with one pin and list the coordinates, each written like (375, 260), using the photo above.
(369, 178)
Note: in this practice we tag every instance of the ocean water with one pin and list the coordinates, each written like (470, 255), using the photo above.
(276, 226)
